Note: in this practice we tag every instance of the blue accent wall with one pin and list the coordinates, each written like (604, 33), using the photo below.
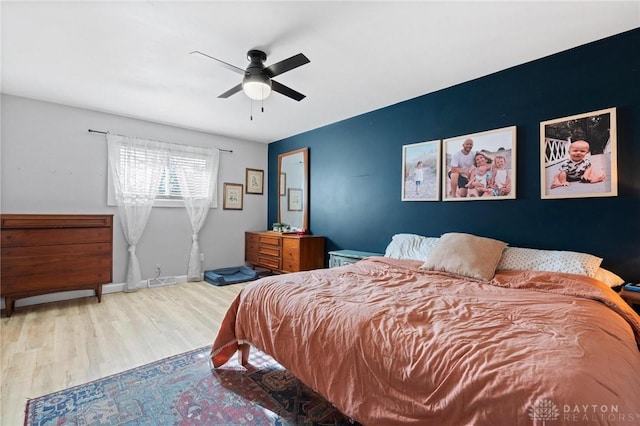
(356, 164)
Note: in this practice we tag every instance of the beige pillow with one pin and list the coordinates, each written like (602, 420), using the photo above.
(467, 255)
(608, 277)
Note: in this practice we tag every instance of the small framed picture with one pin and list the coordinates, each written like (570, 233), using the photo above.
(294, 199)
(578, 156)
(283, 184)
(480, 166)
(232, 196)
(421, 171)
(254, 181)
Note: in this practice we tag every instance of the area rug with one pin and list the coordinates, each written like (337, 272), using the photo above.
(183, 390)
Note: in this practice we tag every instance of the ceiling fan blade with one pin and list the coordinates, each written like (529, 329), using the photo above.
(287, 91)
(222, 63)
(232, 91)
(286, 65)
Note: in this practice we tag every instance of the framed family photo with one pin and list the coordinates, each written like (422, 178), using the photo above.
(254, 181)
(421, 171)
(578, 156)
(232, 196)
(480, 166)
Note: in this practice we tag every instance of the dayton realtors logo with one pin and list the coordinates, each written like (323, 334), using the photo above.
(543, 410)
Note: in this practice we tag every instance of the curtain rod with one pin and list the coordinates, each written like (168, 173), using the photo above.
(106, 133)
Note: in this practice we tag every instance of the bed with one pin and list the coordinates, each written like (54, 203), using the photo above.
(450, 331)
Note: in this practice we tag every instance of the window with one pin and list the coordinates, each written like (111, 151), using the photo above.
(195, 167)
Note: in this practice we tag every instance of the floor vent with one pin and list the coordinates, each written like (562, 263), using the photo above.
(160, 281)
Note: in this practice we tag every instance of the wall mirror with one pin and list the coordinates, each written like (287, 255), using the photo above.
(293, 188)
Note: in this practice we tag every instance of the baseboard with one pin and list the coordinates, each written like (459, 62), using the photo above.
(76, 294)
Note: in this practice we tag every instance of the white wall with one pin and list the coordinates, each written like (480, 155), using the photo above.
(52, 164)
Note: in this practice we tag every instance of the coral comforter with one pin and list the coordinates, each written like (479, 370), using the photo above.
(388, 343)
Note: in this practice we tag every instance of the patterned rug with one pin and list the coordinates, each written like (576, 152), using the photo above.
(183, 390)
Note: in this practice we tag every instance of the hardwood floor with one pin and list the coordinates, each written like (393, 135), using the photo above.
(53, 346)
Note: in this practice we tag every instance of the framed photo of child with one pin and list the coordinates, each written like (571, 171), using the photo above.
(578, 156)
(421, 171)
(480, 166)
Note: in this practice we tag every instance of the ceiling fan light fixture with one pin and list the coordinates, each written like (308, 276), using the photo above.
(256, 82)
(257, 86)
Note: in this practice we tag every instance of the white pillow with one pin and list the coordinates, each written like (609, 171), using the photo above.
(608, 277)
(410, 246)
(570, 262)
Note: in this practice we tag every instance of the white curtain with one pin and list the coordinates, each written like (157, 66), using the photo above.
(197, 173)
(136, 167)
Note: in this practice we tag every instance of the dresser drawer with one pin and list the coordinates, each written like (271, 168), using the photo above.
(56, 236)
(291, 255)
(269, 240)
(269, 251)
(251, 247)
(66, 251)
(55, 273)
(49, 221)
(251, 238)
(291, 246)
(269, 262)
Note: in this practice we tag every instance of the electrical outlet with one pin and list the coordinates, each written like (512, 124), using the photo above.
(201, 257)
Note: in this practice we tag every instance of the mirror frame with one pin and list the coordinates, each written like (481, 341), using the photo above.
(305, 187)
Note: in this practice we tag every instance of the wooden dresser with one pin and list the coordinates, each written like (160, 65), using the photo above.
(283, 253)
(52, 253)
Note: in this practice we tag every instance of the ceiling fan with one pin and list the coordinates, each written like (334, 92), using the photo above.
(258, 82)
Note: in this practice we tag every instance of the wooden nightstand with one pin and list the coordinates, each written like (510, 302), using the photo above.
(346, 257)
(631, 297)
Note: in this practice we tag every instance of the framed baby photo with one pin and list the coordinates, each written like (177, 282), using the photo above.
(232, 196)
(421, 171)
(480, 166)
(578, 156)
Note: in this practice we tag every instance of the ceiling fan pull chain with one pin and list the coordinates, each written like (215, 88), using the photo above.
(251, 109)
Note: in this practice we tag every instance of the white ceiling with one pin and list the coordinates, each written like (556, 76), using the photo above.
(132, 58)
